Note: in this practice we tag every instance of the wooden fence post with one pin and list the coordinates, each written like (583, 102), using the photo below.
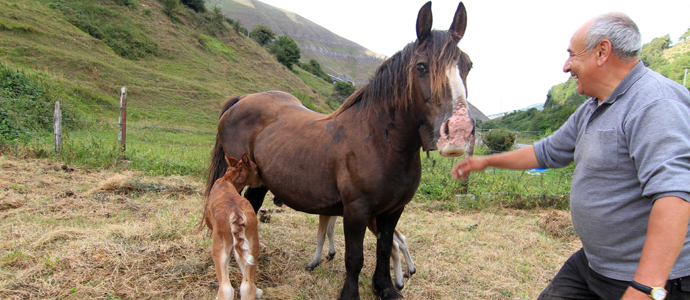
(470, 152)
(122, 136)
(57, 127)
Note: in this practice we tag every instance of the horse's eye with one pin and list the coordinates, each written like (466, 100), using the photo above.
(422, 68)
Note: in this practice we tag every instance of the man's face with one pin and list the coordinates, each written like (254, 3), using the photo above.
(581, 63)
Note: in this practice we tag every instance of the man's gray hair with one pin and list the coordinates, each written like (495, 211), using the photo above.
(626, 41)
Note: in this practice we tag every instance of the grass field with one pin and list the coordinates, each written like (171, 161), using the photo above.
(94, 233)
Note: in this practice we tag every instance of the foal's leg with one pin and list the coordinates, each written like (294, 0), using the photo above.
(402, 244)
(355, 226)
(381, 281)
(222, 245)
(325, 227)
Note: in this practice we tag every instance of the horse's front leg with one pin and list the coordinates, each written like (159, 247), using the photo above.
(355, 226)
(382, 284)
(255, 196)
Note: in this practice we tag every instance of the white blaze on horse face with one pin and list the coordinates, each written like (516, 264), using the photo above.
(457, 86)
(457, 130)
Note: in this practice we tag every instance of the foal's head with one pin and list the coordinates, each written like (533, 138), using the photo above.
(241, 173)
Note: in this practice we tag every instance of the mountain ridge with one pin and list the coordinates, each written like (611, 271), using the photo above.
(337, 55)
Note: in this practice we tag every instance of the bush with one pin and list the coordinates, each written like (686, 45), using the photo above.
(25, 107)
(172, 8)
(499, 140)
(262, 34)
(314, 67)
(286, 51)
(344, 88)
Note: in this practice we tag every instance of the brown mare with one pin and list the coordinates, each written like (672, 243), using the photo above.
(231, 219)
(364, 160)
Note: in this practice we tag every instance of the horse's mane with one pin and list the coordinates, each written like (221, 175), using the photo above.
(391, 85)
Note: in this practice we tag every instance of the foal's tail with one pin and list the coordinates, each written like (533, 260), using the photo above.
(238, 224)
(218, 164)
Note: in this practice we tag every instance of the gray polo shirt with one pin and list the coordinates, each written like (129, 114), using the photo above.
(629, 151)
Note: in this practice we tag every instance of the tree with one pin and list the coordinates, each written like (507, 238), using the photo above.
(286, 51)
(344, 88)
(652, 53)
(314, 67)
(262, 34)
(684, 36)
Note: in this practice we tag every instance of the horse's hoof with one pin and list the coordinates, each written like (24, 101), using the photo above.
(389, 294)
(330, 256)
(399, 287)
(311, 266)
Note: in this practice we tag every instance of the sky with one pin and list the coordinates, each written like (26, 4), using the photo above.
(518, 47)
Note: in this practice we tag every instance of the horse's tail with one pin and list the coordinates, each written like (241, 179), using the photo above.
(218, 164)
(238, 224)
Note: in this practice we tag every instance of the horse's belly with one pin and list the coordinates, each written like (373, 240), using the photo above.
(304, 195)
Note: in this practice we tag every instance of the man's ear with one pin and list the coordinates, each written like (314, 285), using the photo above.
(604, 52)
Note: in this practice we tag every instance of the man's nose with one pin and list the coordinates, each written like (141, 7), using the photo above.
(566, 67)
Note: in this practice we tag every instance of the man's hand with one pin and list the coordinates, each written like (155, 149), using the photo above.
(468, 165)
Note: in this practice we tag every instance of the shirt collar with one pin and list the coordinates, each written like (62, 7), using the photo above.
(633, 76)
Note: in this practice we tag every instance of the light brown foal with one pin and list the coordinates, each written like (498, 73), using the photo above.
(231, 219)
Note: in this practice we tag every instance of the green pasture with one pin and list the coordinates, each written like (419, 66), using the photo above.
(161, 151)
(165, 142)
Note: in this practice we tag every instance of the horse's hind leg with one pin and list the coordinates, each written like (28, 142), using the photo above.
(248, 266)
(222, 245)
(397, 267)
(331, 244)
(324, 227)
(402, 244)
(256, 197)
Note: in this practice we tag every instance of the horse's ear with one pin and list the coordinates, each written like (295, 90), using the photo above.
(245, 158)
(457, 28)
(231, 161)
(424, 21)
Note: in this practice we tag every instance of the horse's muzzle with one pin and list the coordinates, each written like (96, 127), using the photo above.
(455, 133)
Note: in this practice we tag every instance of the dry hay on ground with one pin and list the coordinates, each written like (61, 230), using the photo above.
(92, 234)
(557, 223)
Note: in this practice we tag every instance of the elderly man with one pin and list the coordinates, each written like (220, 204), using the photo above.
(631, 187)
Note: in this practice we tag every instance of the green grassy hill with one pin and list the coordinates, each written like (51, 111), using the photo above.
(178, 66)
(190, 61)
